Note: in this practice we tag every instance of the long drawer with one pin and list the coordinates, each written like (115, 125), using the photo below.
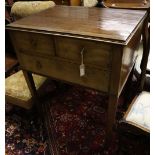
(65, 70)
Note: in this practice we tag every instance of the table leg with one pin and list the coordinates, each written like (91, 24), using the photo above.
(111, 118)
(38, 108)
(31, 85)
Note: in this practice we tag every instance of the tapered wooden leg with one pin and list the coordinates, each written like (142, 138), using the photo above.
(30, 83)
(33, 91)
(111, 118)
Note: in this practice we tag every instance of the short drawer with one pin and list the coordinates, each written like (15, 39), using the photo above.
(65, 70)
(29, 42)
(94, 53)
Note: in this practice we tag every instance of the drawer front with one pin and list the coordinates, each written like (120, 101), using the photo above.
(34, 43)
(66, 71)
(94, 53)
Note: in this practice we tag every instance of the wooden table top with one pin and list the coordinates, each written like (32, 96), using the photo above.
(106, 24)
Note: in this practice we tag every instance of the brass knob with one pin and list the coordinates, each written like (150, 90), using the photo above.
(38, 65)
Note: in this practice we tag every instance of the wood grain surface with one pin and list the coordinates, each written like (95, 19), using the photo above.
(105, 24)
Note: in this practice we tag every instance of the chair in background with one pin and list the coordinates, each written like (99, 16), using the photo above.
(136, 121)
(17, 91)
(135, 127)
(16, 11)
(138, 114)
(22, 9)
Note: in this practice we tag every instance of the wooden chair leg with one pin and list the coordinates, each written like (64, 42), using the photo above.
(146, 49)
(33, 91)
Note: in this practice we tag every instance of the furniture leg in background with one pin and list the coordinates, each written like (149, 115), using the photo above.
(146, 50)
(33, 91)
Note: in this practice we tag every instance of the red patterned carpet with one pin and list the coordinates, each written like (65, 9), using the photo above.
(23, 135)
(76, 120)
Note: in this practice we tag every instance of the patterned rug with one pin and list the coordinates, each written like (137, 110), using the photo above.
(23, 135)
(76, 119)
(24, 131)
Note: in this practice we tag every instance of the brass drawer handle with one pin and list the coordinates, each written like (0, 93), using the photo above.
(38, 65)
